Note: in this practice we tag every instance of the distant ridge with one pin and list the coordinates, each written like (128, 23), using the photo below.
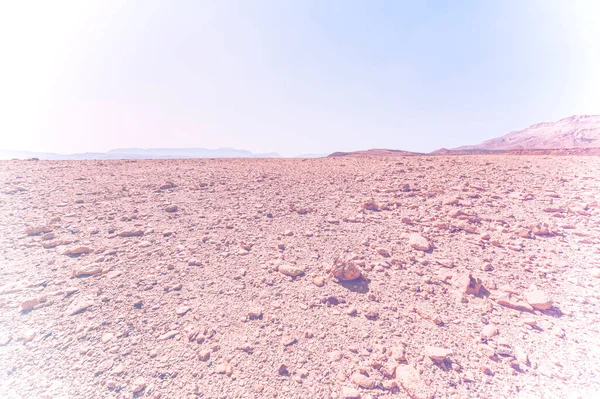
(140, 153)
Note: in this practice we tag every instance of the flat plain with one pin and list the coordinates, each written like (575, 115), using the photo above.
(406, 277)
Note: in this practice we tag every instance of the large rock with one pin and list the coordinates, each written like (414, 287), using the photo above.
(538, 299)
(436, 353)
(511, 301)
(346, 267)
(419, 242)
(469, 285)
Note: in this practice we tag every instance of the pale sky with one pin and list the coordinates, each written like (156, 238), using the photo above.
(292, 77)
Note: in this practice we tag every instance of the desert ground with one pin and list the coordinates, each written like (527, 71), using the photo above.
(408, 277)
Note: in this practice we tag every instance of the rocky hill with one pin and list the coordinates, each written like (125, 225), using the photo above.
(579, 131)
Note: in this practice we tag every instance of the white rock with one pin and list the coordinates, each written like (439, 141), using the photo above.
(437, 353)
(419, 242)
(538, 299)
(290, 270)
(78, 306)
(489, 331)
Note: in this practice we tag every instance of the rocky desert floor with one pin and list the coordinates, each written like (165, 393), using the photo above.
(408, 277)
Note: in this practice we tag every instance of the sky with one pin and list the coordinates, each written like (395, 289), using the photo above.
(291, 76)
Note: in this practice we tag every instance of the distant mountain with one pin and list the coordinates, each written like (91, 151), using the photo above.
(579, 131)
(140, 153)
(375, 152)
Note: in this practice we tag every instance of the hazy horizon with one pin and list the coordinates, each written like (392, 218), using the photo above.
(291, 78)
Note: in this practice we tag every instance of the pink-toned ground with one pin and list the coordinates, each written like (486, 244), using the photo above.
(174, 279)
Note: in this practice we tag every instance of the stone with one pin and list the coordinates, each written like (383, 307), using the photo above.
(346, 267)
(255, 313)
(48, 236)
(131, 233)
(246, 347)
(89, 270)
(37, 230)
(167, 185)
(138, 385)
(78, 306)
(489, 331)
(29, 304)
(371, 313)
(288, 340)
(194, 262)
(383, 252)
(487, 267)
(290, 270)
(419, 242)
(530, 321)
(171, 208)
(398, 353)
(5, 338)
(204, 355)
(104, 366)
(336, 356)
(106, 337)
(468, 376)
(78, 251)
(449, 263)
(350, 393)
(521, 356)
(303, 373)
(388, 370)
(370, 205)
(510, 301)
(113, 274)
(182, 310)
(469, 285)
(283, 370)
(436, 353)
(221, 368)
(595, 272)
(389, 384)
(318, 281)
(538, 299)
(120, 369)
(363, 381)
(168, 335)
(28, 335)
(410, 379)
